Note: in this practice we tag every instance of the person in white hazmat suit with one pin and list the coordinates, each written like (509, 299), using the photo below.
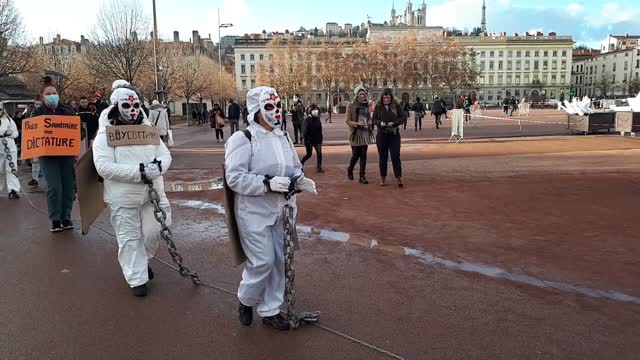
(132, 214)
(259, 169)
(8, 134)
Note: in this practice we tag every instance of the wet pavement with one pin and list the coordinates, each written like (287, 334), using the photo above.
(63, 295)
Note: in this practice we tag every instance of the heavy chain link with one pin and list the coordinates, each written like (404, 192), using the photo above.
(167, 236)
(295, 320)
(7, 152)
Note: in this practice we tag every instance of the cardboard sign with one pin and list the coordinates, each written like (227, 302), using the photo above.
(124, 135)
(51, 135)
(90, 191)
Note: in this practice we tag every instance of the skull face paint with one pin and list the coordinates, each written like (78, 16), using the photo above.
(271, 108)
(129, 107)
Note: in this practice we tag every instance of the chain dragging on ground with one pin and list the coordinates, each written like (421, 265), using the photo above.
(7, 152)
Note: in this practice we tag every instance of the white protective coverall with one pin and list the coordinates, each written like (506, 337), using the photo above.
(258, 211)
(7, 179)
(137, 231)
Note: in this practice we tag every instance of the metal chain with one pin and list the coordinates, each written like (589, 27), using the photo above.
(295, 320)
(167, 236)
(7, 152)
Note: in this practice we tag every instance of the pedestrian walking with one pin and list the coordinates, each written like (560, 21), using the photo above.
(217, 122)
(8, 155)
(234, 116)
(513, 105)
(388, 117)
(297, 117)
(195, 116)
(438, 109)
(261, 165)
(160, 119)
(419, 112)
(505, 105)
(58, 170)
(313, 137)
(360, 133)
(284, 119)
(126, 171)
(406, 107)
(466, 105)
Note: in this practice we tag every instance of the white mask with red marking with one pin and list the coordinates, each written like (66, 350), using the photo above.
(129, 105)
(271, 107)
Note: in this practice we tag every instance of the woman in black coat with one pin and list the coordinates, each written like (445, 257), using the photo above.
(312, 135)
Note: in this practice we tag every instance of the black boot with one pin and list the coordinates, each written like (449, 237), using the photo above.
(67, 225)
(150, 273)
(246, 314)
(13, 195)
(277, 321)
(140, 291)
(350, 174)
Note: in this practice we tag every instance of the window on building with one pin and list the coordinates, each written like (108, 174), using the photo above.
(614, 67)
(626, 65)
(482, 65)
(555, 53)
(491, 53)
(510, 53)
(500, 79)
(499, 97)
(509, 65)
(242, 57)
(500, 53)
(626, 54)
(604, 67)
(318, 98)
(554, 65)
(553, 79)
(518, 53)
(252, 57)
(536, 65)
(244, 84)
(625, 78)
(491, 65)
(526, 79)
(527, 53)
(518, 64)
(489, 95)
(500, 65)
(545, 53)
(563, 65)
(509, 79)
(243, 69)
(261, 57)
(483, 53)
(253, 69)
(613, 78)
(518, 79)
(490, 79)
(545, 65)
(517, 93)
(481, 80)
(253, 83)
(527, 63)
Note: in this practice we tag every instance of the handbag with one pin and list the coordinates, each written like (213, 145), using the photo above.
(219, 121)
(170, 142)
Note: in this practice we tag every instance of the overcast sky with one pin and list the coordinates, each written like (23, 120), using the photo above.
(587, 21)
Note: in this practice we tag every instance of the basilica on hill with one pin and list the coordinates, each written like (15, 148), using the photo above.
(410, 17)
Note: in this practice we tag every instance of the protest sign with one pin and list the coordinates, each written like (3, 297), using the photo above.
(90, 191)
(124, 135)
(51, 135)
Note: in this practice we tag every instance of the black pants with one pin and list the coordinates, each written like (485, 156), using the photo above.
(219, 134)
(297, 131)
(389, 143)
(310, 148)
(418, 123)
(505, 108)
(438, 120)
(359, 153)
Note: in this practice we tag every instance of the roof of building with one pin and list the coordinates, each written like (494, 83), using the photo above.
(12, 89)
(626, 36)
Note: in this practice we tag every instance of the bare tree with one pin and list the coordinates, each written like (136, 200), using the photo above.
(633, 86)
(606, 84)
(288, 68)
(455, 68)
(15, 55)
(194, 77)
(119, 48)
(329, 70)
(365, 64)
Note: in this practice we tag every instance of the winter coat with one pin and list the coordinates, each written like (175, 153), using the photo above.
(359, 135)
(312, 133)
(394, 115)
(419, 109)
(234, 111)
(90, 119)
(120, 169)
(159, 118)
(439, 107)
(7, 124)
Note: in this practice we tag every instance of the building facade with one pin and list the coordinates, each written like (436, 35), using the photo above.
(410, 17)
(619, 42)
(610, 72)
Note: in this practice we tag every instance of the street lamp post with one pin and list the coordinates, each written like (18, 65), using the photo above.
(155, 53)
(220, 27)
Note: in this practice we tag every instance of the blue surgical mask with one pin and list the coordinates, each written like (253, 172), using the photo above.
(51, 100)
(387, 102)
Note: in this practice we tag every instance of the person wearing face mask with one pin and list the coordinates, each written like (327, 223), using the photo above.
(125, 192)
(313, 137)
(58, 170)
(260, 164)
(360, 133)
(388, 116)
(8, 134)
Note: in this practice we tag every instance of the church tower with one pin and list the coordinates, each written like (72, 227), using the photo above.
(393, 14)
(410, 14)
(483, 22)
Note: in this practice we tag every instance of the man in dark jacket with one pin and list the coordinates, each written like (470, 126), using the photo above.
(505, 105)
(89, 119)
(419, 112)
(297, 117)
(234, 116)
(313, 137)
(466, 105)
(438, 109)
(100, 105)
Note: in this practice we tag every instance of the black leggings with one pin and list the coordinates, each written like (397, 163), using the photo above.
(219, 134)
(389, 143)
(359, 152)
(310, 148)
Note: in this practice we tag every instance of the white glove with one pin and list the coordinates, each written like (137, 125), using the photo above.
(390, 124)
(279, 184)
(383, 124)
(305, 184)
(9, 132)
(152, 170)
